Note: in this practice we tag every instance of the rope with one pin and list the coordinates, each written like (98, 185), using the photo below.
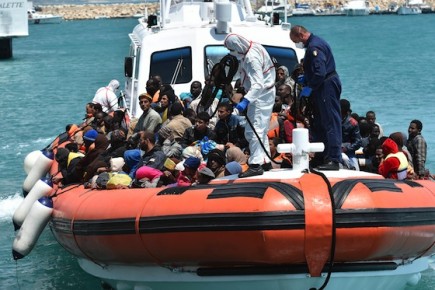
(55, 194)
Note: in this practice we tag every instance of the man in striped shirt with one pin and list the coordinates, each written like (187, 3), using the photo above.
(417, 147)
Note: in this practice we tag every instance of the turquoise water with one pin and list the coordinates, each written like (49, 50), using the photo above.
(385, 63)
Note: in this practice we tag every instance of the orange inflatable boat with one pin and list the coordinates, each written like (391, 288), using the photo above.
(250, 222)
(283, 223)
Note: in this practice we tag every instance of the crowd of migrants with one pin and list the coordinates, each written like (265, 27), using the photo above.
(176, 142)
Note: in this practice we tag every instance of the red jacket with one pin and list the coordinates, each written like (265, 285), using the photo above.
(394, 162)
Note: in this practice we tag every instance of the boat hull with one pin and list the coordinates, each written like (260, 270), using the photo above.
(356, 12)
(157, 278)
(406, 10)
(268, 233)
(46, 20)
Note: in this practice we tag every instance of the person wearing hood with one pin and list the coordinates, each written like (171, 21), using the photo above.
(257, 73)
(283, 78)
(132, 158)
(395, 163)
(216, 162)
(100, 145)
(323, 87)
(67, 162)
(106, 97)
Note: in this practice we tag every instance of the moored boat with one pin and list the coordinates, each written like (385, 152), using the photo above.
(303, 9)
(36, 17)
(411, 8)
(408, 10)
(356, 8)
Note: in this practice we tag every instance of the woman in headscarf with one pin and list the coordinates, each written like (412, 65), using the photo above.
(257, 73)
(115, 150)
(236, 154)
(100, 145)
(164, 105)
(283, 78)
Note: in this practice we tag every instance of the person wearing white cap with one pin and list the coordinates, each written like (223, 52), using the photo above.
(257, 73)
(106, 97)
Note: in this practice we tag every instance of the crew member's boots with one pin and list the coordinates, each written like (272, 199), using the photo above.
(267, 166)
(253, 170)
(331, 165)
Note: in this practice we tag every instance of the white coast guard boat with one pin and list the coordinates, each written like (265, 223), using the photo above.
(186, 40)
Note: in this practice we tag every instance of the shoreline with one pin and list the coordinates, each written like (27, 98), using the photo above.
(128, 10)
(96, 11)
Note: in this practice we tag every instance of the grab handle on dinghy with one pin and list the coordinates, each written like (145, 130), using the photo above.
(318, 222)
(333, 228)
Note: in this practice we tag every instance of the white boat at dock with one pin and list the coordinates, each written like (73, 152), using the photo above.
(413, 7)
(356, 8)
(303, 9)
(408, 10)
(36, 17)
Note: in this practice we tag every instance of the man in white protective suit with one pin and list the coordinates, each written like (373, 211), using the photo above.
(106, 97)
(257, 75)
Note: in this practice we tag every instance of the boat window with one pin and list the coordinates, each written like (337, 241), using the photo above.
(283, 56)
(213, 55)
(174, 66)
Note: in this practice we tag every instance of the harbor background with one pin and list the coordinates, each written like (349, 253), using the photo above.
(385, 63)
(77, 9)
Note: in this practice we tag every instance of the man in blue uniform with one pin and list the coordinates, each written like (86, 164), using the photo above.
(323, 86)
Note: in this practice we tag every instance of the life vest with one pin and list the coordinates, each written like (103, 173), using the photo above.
(73, 155)
(273, 126)
(403, 166)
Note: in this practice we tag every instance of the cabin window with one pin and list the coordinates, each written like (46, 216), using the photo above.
(213, 55)
(283, 56)
(173, 66)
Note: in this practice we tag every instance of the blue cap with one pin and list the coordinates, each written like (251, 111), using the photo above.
(91, 135)
(192, 162)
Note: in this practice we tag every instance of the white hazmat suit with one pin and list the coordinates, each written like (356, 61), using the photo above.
(257, 75)
(107, 98)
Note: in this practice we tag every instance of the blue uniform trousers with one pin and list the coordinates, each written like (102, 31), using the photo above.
(327, 118)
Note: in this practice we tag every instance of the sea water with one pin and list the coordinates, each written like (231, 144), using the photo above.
(385, 63)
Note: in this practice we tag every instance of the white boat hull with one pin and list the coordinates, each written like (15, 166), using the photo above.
(46, 20)
(158, 278)
(356, 12)
(356, 8)
(303, 12)
(404, 10)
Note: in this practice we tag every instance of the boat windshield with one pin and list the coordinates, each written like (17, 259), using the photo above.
(174, 66)
(280, 55)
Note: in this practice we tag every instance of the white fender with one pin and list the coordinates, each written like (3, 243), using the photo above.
(41, 188)
(32, 227)
(30, 160)
(39, 169)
